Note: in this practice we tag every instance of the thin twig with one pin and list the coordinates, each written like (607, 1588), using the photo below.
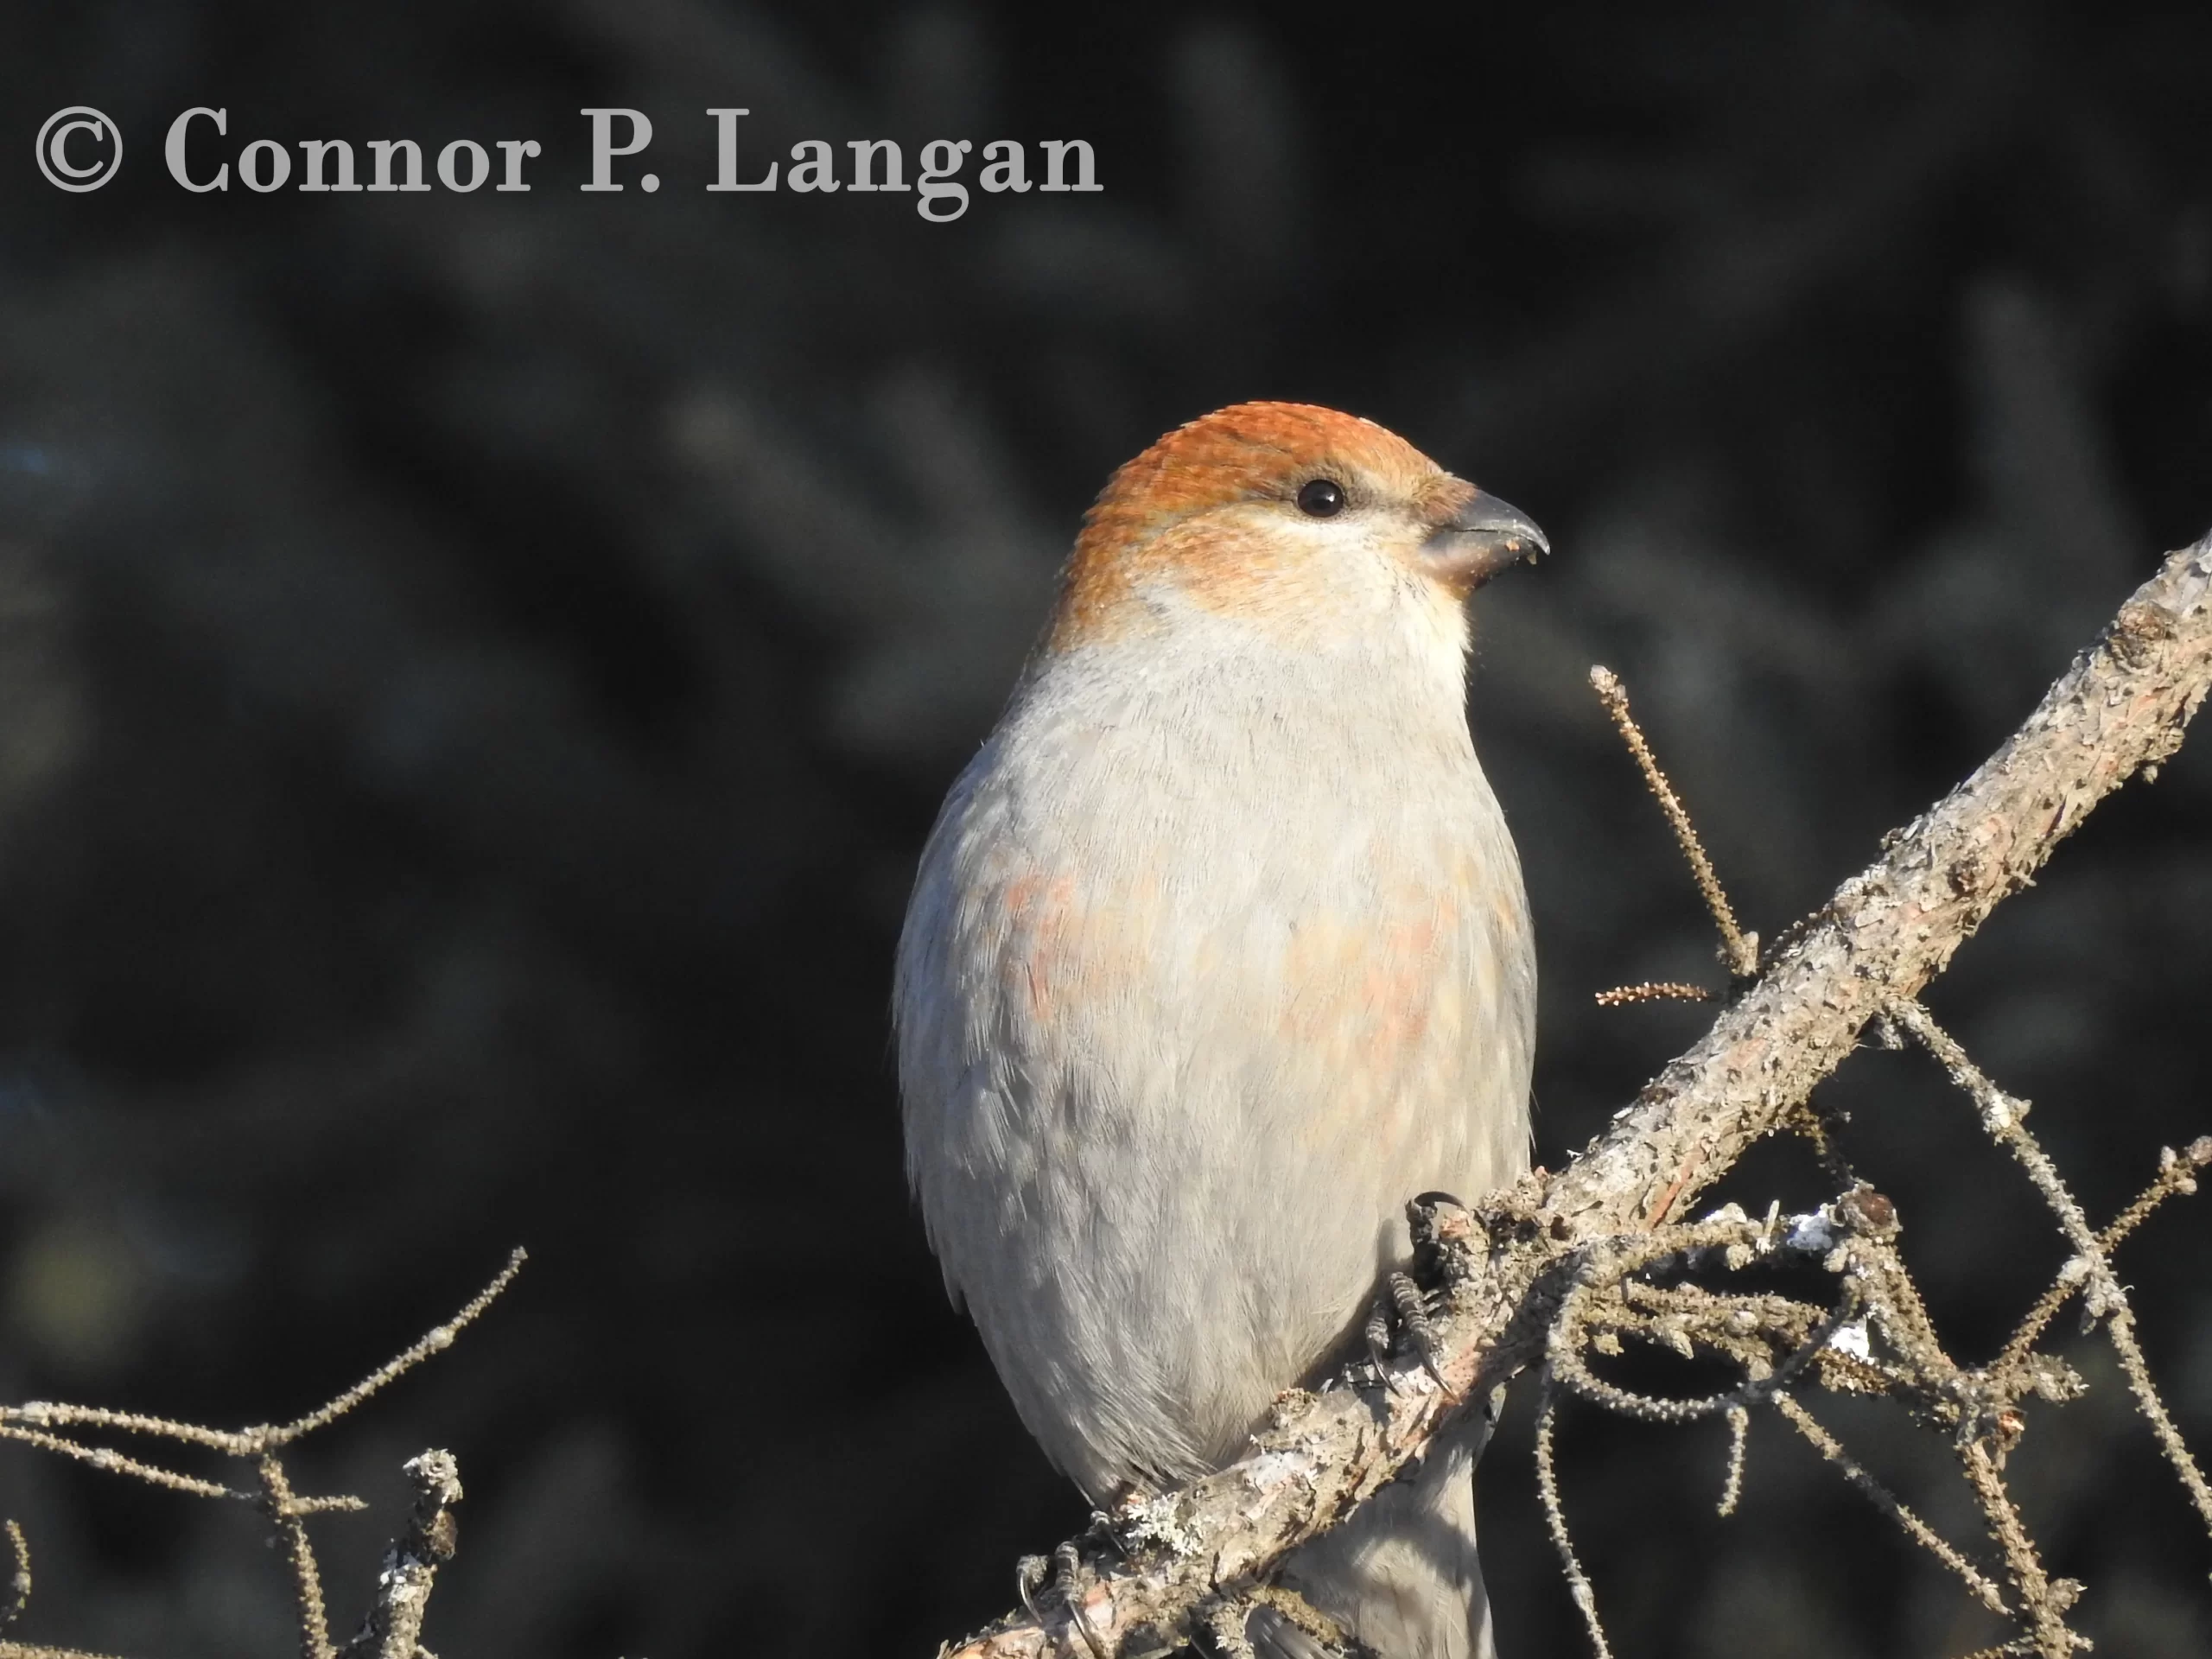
(1653, 990)
(282, 1508)
(19, 1586)
(2003, 1117)
(435, 1341)
(1739, 1434)
(2120, 1329)
(1578, 1581)
(2177, 1174)
(1739, 952)
(1882, 1498)
(2053, 1640)
(46, 1414)
(101, 1457)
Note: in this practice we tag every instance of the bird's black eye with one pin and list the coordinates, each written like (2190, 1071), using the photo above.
(1321, 498)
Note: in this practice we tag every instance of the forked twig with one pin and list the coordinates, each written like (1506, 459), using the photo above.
(2177, 1174)
(2005, 1117)
(389, 1630)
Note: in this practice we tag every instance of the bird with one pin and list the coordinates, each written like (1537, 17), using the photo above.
(1220, 952)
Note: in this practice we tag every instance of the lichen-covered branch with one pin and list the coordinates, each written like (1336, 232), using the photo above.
(394, 1625)
(1159, 1566)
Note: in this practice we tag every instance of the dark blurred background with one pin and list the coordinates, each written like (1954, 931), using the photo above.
(475, 672)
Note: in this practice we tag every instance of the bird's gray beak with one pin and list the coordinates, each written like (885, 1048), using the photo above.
(1481, 539)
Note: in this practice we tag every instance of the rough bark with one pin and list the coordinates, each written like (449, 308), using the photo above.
(2121, 708)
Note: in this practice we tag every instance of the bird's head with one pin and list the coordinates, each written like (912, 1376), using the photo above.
(1299, 520)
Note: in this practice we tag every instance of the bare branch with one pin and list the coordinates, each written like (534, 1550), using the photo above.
(403, 1588)
(2122, 706)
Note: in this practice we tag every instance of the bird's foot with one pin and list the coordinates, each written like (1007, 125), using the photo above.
(1444, 1233)
(1403, 1304)
(1063, 1575)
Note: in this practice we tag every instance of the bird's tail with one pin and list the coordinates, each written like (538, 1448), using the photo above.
(1400, 1576)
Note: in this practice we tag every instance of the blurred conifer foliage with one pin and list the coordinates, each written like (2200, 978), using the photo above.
(475, 670)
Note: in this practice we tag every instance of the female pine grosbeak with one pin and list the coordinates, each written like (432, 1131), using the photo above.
(1218, 954)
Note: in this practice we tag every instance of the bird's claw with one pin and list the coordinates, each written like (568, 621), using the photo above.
(1442, 1229)
(1064, 1569)
(1402, 1304)
(1029, 1573)
(1377, 1332)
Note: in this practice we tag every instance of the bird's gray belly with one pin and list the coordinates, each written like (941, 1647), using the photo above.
(1167, 1184)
